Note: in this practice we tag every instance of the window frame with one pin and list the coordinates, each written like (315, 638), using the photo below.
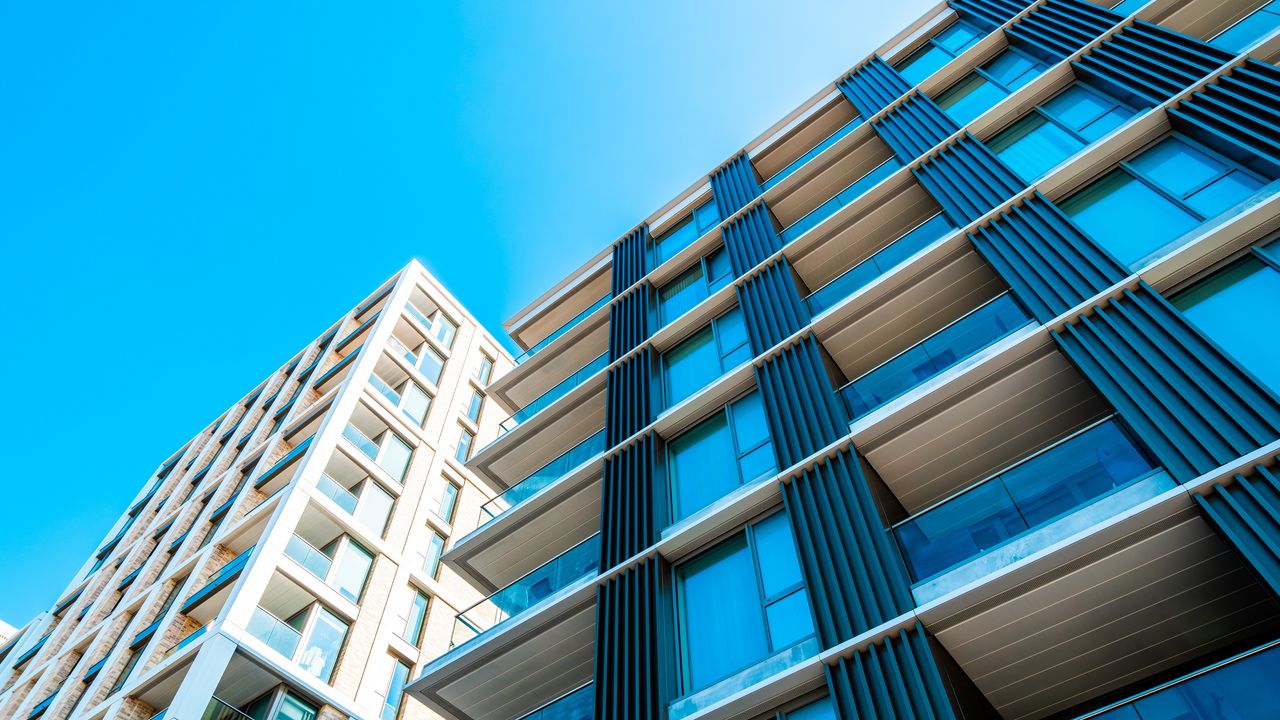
(714, 326)
(672, 505)
(931, 42)
(982, 72)
(710, 285)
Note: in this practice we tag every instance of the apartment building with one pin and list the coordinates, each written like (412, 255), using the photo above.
(284, 564)
(952, 395)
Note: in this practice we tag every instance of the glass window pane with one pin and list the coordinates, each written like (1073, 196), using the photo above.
(701, 466)
(322, 648)
(417, 618)
(351, 571)
(681, 294)
(448, 502)
(374, 507)
(416, 403)
(789, 620)
(721, 619)
(959, 529)
(912, 242)
(957, 38)
(706, 216)
(1242, 690)
(1105, 124)
(1013, 69)
(1226, 307)
(749, 425)
(970, 97)
(291, 708)
(432, 364)
(1033, 146)
(395, 455)
(1249, 29)
(776, 553)
(1127, 217)
(923, 63)
(820, 710)
(757, 463)
(1223, 193)
(676, 239)
(731, 335)
(1176, 166)
(1077, 106)
(719, 268)
(690, 366)
(435, 549)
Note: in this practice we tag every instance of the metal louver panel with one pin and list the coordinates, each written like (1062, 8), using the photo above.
(1145, 64)
(872, 86)
(627, 523)
(629, 663)
(914, 127)
(771, 306)
(628, 322)
(735, 184)
(988, 14)
(1238, 115)
(967, 180)
(1059, 28)
(628, 400)
(897, 678)
(630, 259)
(750, 239)
(800, 403)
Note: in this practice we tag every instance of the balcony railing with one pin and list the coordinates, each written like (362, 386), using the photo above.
(219, 710)
(977, 329)
(560, 390)
(543, 477)
(562, 329)
(854, 191)
(361, 441)
(1050, 484)
(582, 560)
(575, 705)
(385, 390)
(813, 152)
(885, 259)
(308, 556)
(335, 492)
(187, 640)
(273, 631)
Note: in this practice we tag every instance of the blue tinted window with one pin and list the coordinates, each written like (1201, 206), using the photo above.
(1249, 29)
(674, 240)
(1241, 690)
(681, 294)
(1012, 69)
(706, 216)
(1087, 112)
(779, 566)
(701, 466)
(820, 710)
(1127, 217)
(1226, 307)
(731, 335)
(719, 270)
(690, 366)
(956, 38)
(970, 97)
(722, 621)
(1176, 166)
(1129, 7)
(1033, 146)
(1223, 193)
(938, 51)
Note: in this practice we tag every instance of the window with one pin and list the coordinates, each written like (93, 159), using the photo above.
(417, 618)
(443, 329)
(415, 402)
(981, 89)
(475, 402)
(350, 567)
(394, 455)
(823, 709)
(938, 51)
(323, 643)
(740, 603)
(696, 362)
(395, 690)
(1156, 197)
(288, 708)
(694, 285)
(692, 227)
(465, 439)
(435, 549)
(1054, 131)
(374, 505)
(1227, 305)
(135, 654)
(485, 370)
(431, 363)
(728, 449)
(448, 501)
(1249, 29)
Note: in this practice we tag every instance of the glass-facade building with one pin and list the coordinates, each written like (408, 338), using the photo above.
(952, 395)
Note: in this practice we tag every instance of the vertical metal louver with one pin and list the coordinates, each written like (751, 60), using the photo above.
(627, 523)
(1247, 513)
(872, 86)
(800, 402)
(967, 180)
(897, 678)
(914, 127)
(1145, 64)
(852, 569)
(750, 239)
(988, 14)
(1059, 28)
(735, 184)
(1050, 265)
(1190, 403)
(1238, 115)
(628, 322)
(628, 397)
(771, 305)
(630, 259)
(629, 663)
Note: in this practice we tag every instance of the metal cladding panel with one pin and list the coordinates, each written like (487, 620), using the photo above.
(852, 568)
(1145, 64)
(967, 180)
(1190, 403)
(800, 403)
(1050, 265)
(735, 184)
(772, 306)
(1059, 28)
(1239, 115)
(1247, 513)
(628, 322)
(897, 678)
(630, 259)
(629, 663)
(627, 523)
(988, 14)
(914, 127)
(628, 397)
(873, 85)
(750, 239)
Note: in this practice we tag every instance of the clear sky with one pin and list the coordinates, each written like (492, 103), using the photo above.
(189, 192)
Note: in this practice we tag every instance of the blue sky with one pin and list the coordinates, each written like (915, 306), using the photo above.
(190, 192)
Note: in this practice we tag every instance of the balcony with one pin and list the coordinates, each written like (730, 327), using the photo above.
(219, 710)
(542, 477)
(566, 327)
(577, 563)
(813, 152)
(377, 441)
(577, 705)
(276, 633)
(844, 197)
(355, 492)
(557, 392)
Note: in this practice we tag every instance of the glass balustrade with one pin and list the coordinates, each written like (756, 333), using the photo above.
(854, 191)
(580, 561)
(335, 492)
(560, 390)
(385, 390)
(308, 556)
(219, 710)
(273, 631)
(884, 260)
(562, 329)
(813, 152)
(1050, 484)
(542, 477)
(576, 705)
(961, 339)
(361, 441)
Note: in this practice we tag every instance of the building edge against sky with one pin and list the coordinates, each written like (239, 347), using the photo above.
(286, 560)
(945, 397)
